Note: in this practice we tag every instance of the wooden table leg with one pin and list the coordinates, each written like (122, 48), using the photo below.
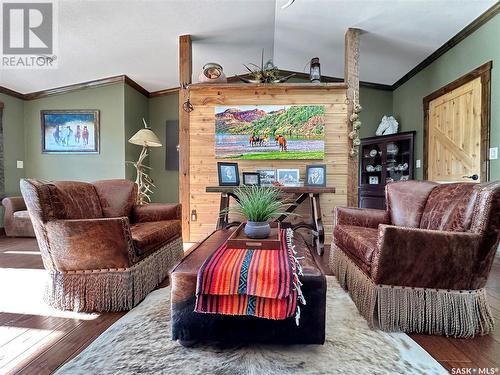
(296, 203)
(222, 221)
(318, 223)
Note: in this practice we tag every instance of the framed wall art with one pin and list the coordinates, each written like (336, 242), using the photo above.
(263, 132)
(70, 131)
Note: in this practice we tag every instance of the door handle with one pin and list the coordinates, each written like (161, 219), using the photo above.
(473, 177)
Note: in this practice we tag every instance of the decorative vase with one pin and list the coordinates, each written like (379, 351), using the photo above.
(257, 230)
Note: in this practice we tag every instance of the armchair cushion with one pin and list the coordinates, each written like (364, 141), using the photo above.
(361, 217)
(156, 212)
(406, 201)
(79, 200)
(449, 207)
(360, 243)
(89, 244)
(116, 196)
(423, 258)
(149, 236)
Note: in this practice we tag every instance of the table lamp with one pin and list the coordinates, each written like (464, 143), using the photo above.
(145, 138)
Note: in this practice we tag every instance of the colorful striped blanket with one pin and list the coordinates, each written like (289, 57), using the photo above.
(261, 283)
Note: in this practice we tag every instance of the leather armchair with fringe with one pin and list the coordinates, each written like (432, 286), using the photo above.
(422, 264)
(102, 251)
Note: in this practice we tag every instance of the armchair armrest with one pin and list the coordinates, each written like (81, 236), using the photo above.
(425, 258)
(156, 212)
(361, 217)
(90, 244)
(14, 204)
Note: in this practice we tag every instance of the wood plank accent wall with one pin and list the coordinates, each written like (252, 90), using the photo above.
(203, 165)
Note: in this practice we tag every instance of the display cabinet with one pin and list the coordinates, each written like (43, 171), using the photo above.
(383, 159)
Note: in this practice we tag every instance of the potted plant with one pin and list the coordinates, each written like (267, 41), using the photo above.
(265, 73)
(259, 205)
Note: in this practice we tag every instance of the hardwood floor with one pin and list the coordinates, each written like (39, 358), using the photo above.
(35, 339)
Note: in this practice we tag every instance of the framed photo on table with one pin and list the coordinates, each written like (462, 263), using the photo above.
(228, 174)
(251, 178)
(316, 175)
(267, 176)
(288, 177)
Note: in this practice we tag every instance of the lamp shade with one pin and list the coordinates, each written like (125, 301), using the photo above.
(145, 137)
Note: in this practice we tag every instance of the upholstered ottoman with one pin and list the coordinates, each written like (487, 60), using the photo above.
(190, 327)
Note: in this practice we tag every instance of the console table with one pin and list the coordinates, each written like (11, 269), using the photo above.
(301, 194)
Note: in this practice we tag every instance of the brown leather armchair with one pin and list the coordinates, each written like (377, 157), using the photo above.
(103, 252)
(16, 220)
(422, 264)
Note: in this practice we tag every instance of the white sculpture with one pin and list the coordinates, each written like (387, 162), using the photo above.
(388, 125)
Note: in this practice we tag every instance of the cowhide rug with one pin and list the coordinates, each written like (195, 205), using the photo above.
(139, 343)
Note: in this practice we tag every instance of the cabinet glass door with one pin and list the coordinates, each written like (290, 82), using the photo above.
(372, 164)
(398, 160)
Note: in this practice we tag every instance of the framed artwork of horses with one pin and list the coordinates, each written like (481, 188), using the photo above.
(257, 132)
(70, 131)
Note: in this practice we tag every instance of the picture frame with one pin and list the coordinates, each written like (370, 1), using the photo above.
(267, 176)
(315, 175)
(373, 180)
(288, 177)
(251, 178)
(228, 174)
(74, 131)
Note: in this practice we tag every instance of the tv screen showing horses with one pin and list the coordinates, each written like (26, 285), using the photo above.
(270, 132)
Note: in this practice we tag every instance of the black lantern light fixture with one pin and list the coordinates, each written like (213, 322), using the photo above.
(315, 72)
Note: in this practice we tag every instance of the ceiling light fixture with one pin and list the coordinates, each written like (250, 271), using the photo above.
(288, 3)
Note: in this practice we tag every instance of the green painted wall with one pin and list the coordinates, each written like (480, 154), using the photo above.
(161, 109)
(478, 48)
(376, 103)
(13, 135)
(136, 108)
(109, 163)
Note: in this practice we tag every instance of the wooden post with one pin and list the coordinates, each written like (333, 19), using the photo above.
(185, 76)
(351, 78)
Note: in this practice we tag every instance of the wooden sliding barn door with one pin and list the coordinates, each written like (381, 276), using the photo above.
(455, 134)
(456, 129)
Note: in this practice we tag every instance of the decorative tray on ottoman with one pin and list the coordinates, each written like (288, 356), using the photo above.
(238, 239)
